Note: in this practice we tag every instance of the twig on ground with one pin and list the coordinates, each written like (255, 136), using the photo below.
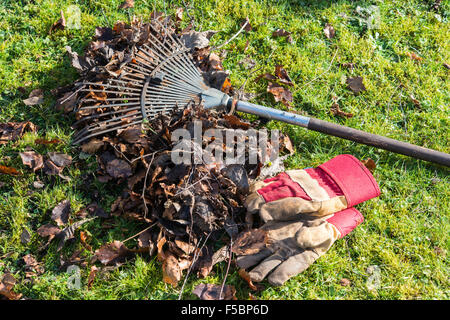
(329, 67)
(194, 260)
(228, 269)
(232, 38)
(153, 224)
(190, 17)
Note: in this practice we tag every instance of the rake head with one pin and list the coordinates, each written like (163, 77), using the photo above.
(159, 78)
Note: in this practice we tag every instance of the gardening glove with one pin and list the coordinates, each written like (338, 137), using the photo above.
(339, 183)
(292, 246)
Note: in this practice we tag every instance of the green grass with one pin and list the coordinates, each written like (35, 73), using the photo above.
(405, 233)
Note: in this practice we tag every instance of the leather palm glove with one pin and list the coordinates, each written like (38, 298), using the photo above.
(337, 184)
(292, 246)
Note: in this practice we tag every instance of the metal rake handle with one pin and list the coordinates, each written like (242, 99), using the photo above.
(214, 98)
(347, 133)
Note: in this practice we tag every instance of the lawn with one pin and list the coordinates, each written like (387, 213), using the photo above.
(399, 252)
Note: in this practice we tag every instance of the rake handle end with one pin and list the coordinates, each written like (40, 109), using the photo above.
(379, 141)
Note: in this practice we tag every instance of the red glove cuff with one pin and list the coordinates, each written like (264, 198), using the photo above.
(354, 179)
(346, 220)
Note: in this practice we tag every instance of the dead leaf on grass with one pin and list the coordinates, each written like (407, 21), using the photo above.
(179, 14)
(118, 168)
(114, 253)
(415, 101)
(91, 277)
(32, 159)
(6, 287)
(127, 4)
(48, 230)
(336, 110)
(47, 142)
(60, 213)
(69, 232)
(197, 40)
(25, 236)
(245, 275)
(369, 164)
(60, 24)
(12, 131)
(283, 33)
(329, 31)
(171, 270)
(36, 97)
(209, 291)
(345, 282)
(9, 170)
(413, 56)
(282, 75)
(355, 84)
(280, 94)
(60, 159)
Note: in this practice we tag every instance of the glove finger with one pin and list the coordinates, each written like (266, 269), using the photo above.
(292, 267)
(248, 261)
(267, 265)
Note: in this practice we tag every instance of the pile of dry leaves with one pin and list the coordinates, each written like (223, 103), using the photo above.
(188, 209)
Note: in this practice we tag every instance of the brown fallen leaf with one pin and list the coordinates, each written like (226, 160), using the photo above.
(32, 159)
(446, 65)
(244, 275)
(67, 102)
(329, 31)
(69, 232)
(47, 142)
(52, 169)
(48, 230)
(282, 75)
(12, 131)
(235, 122)
(355, 84)
(286, 144)
(60, 24)
(92, 146)
(91, 277)
(25, 236)
(250, 242)
(60, 213)
(283, 33)
(345, 282)
(60, 159)
(114, 253)
(226, 86)
(171, 270)
(127, 4)
(336, 110)
(197, 40)
(83, 239)
(280, 94)
(32, 267)
(415, 101)
(36, 97)
(413, 56)
(348, 65)
(209, 291)
(9, 170)
(369, 164)
(118, 168)
(6, 287)
(179, 14)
